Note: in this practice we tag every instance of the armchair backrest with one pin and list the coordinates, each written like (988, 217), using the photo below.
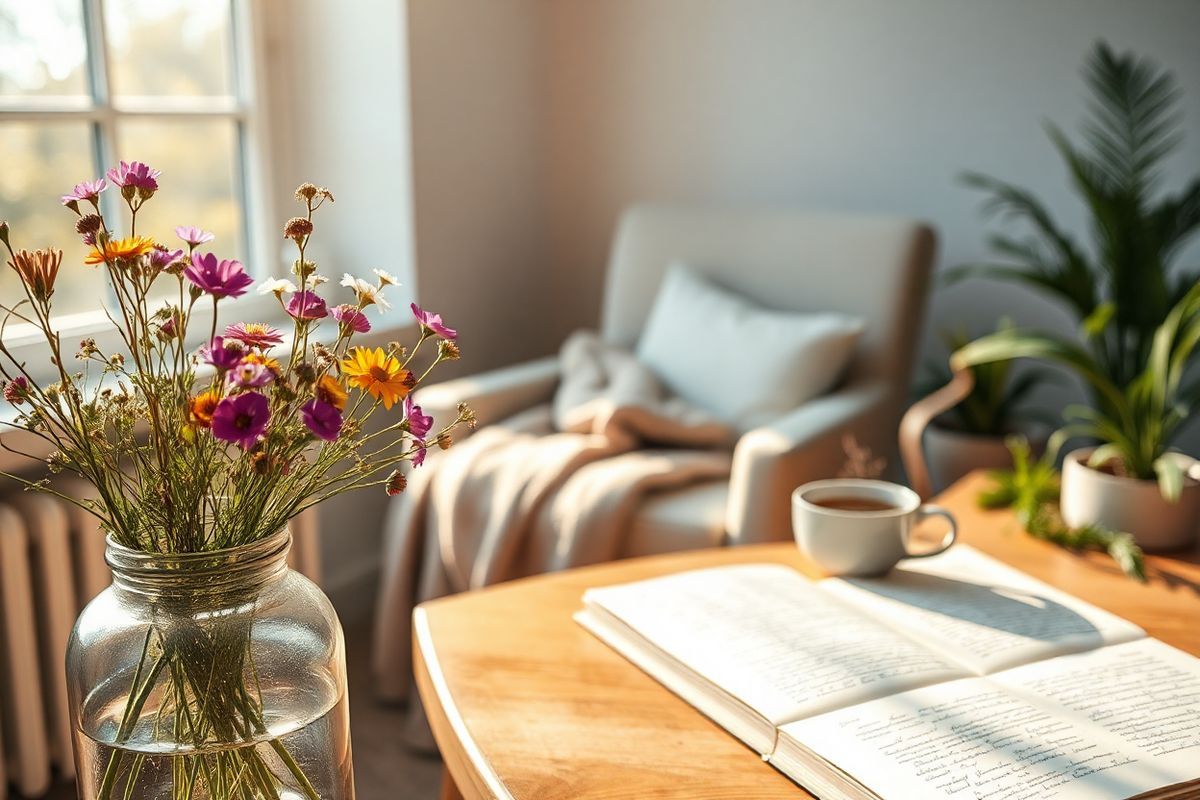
(873, 267)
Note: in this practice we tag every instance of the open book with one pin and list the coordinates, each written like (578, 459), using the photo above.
(952, 677)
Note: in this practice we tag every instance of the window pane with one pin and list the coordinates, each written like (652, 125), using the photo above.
(42, 50)
(198, 186)
(169, 48)
(42, 162)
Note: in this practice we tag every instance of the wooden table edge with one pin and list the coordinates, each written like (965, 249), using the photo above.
(464, 760)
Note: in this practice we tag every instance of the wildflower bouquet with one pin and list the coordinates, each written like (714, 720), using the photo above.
(196, 450)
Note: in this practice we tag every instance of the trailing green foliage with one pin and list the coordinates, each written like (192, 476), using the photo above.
(1139, 318)
(1031, 489)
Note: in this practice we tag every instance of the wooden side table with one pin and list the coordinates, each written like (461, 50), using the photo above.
(524, 703)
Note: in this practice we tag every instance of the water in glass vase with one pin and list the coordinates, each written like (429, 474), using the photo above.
(306, 763)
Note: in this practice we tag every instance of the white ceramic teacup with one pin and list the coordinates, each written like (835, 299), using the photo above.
(869, 539)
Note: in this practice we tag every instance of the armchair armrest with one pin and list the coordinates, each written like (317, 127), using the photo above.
(493, 395)
(805, 445)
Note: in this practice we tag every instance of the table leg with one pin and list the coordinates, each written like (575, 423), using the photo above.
(449, 787)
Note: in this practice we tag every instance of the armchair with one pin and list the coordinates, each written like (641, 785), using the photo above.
(874, 267)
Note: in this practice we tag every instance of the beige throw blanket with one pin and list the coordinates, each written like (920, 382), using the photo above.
(552, 488)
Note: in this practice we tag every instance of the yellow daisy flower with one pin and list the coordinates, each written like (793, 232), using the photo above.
(377, 373)
(128, 247)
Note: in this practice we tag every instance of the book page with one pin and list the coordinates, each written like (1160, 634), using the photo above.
(770, 638)
(982, 613)
(1102, 725)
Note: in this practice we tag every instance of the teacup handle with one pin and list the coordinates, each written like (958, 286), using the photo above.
(925, 512)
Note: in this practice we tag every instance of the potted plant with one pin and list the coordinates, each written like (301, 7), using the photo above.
(972, 435)
(1139, 318)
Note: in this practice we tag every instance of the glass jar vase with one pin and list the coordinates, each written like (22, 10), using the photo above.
(210, 676)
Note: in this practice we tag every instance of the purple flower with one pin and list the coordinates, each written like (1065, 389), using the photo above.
(249, 374)
(307, 305)
(193, 235)
(220, 355)
(322, 419)
(161, 257)
(255, 334)
(87, 190)
(418, 457)
(419, 423)
(433, 322)
(135, 174)
(351, 318)
(241, 419)
(224, 278)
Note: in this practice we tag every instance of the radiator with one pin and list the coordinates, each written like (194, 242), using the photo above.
(51, 565)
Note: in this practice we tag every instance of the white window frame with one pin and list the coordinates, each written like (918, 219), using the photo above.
(252, 181)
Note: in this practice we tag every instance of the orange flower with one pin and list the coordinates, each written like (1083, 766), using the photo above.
(331, 392)
(379, 374)
(114, 249)
(38, 270)
(202, 407)
(270, 363)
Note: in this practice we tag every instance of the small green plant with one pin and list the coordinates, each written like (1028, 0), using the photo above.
(1136, 422)
(1031, 489)
(998, 398)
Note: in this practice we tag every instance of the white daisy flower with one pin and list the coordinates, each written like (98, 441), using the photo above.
(353, 282)
(368, 293)
(386, 278)
(276, 286)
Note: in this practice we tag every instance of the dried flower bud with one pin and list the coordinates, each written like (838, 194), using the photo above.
(448, 350)
(88, 225)
(53, 392)
(87, 348)
(305, 373)
(167, 331)
(72, 204)
(297, 228)
(325, 194)
(116, 360)
(444, 440)
(467, 415)
(128, 191)
(396, 483)
(306, 191)
(303, 269)
(56, 462)
(16, 390)
(4, 231)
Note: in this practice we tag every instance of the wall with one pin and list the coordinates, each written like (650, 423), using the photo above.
(863, 105)
(477, 139)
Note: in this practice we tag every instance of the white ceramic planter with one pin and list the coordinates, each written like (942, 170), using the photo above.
(1090, 496)
(951, 454)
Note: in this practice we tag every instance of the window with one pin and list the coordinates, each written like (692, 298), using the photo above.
(84, 83)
